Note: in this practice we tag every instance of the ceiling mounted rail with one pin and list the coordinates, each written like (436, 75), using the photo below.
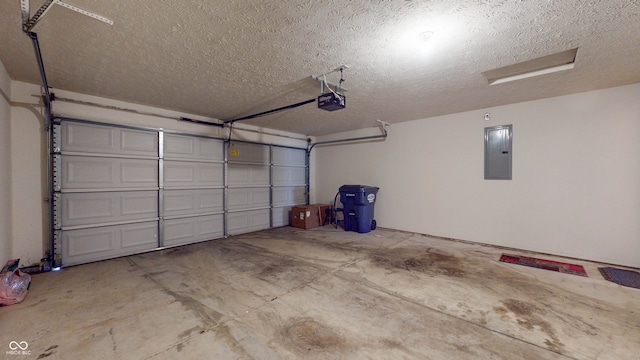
(323, 79)
(292, 106)
(323, 82)
(45, 84)
(24, 9)
(29, 22)
(201, 122)
(383, 128)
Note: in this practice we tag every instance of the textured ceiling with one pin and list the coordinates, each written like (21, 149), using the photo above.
(226, 59)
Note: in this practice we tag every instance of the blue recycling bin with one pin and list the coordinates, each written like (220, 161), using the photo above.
(358, 204)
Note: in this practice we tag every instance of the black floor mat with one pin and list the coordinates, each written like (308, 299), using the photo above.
(622, 277)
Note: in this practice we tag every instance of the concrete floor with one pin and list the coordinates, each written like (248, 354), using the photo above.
(323, 294)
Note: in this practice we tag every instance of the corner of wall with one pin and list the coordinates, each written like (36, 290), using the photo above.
(28, 162)
(5, 165)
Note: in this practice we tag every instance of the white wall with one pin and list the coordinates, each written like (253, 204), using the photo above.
(5, 166)
(576, 176)
(28, 174)
(29, 155)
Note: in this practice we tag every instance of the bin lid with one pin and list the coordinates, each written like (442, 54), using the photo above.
(358, 188)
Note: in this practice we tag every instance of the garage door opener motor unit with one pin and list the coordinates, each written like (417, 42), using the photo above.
(331, 101)
(334, 99)
(358, 205)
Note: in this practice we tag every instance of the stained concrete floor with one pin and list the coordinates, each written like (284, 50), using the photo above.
(323, 294)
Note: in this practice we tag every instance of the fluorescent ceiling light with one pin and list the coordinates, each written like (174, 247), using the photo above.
(564, 60)
(532, 74)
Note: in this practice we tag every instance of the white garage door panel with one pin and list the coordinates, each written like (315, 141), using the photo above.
(189, 147)
(283, 175)
(247, 175)
(289, 157)
(193, 202)
(289, 195)
(138, 142)
(245, 152)
(192, 229)
(117, 192)
(85, 245)
(281, 216)
(248, 221)
(105, 207)
(192, 174)
(90, 138)
(82, 172)
(248, 198)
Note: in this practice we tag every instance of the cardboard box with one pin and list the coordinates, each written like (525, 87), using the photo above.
(309, 216)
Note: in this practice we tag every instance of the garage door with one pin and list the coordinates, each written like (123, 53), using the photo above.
(106, 191)
(192, 189)
(289, 180)
(249, 187)
(121, 190)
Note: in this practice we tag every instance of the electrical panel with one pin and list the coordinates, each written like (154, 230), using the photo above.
(497, 152)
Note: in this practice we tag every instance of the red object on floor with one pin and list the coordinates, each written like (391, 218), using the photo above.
(544, 264)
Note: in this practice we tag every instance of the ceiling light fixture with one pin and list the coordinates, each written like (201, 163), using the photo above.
(425, 36)
(561, 61)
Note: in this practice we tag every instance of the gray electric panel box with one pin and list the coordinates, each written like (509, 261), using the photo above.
(498, 152)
